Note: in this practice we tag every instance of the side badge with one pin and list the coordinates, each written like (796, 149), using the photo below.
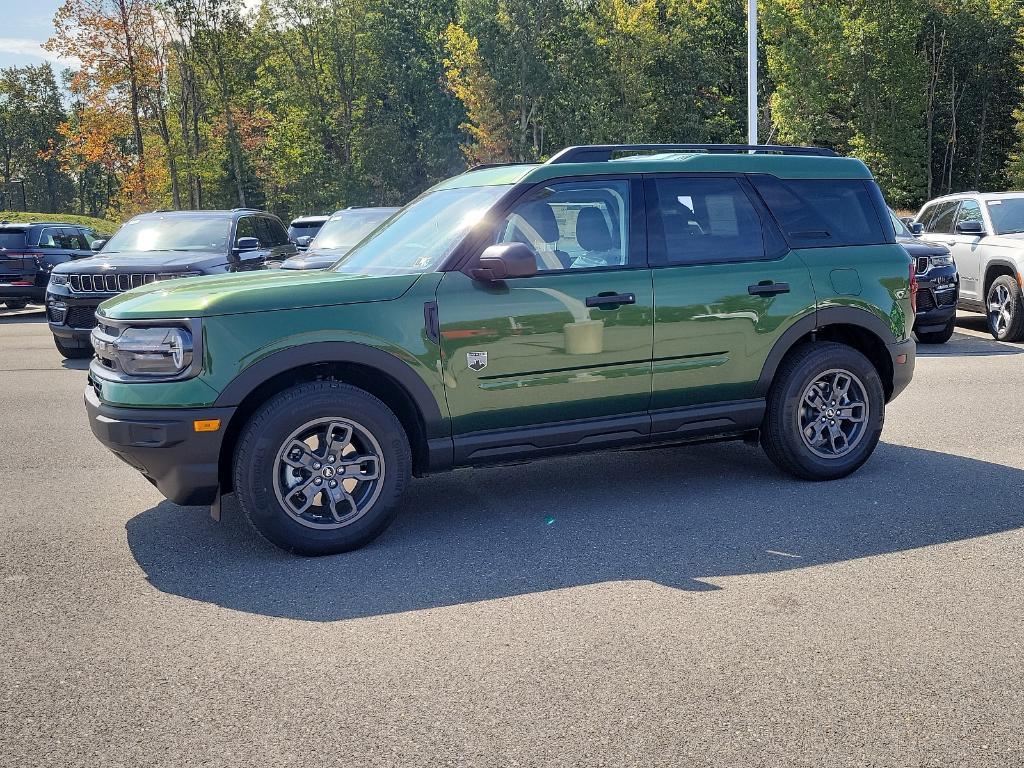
(476, 360)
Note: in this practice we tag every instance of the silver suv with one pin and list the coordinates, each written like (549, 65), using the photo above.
(985, 234)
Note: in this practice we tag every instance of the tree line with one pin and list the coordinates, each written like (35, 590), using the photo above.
(305, 106)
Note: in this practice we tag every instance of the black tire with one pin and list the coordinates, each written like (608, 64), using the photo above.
(781, 432)
(1006, 324)
(937, 337)
(72, 353)
(16, 303)
(262, 491)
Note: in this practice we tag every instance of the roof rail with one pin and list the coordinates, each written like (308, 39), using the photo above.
(233, 210)
(484, 166)
(599, 153)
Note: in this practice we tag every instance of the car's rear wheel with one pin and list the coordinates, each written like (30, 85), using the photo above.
(824, 413)
(16, 303)
(320, 467)
(937, 337)
(1005, 309)
(72, 351)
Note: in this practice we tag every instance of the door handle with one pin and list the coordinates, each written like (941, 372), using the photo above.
(610, 300)
(767, 288)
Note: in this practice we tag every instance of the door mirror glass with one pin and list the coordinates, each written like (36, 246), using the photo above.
(97, 245)
(246, 244)
(303, 241)
(915, 227)
(504, 261)
(970, 227)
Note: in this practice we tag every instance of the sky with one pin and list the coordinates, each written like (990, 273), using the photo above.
(24, 26)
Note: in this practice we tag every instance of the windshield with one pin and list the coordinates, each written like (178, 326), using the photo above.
(180, 233)
(345, 229)
(899, 226)
(1007, 215)
(420, 236)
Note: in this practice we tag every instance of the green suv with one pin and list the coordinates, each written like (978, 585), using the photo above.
(613, 297)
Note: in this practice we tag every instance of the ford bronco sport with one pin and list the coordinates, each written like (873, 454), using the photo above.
(603, 299)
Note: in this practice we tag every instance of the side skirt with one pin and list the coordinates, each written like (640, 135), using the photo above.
(676, 425)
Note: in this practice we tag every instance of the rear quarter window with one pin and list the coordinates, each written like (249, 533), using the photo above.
(13, 238)
(819, 213)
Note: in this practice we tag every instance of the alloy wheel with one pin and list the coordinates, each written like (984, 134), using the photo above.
(833, 414)
(999, 317)
(328, 473)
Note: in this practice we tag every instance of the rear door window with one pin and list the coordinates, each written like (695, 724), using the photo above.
(942, 221)
(816, 213)
(701, 220)
(51, 237)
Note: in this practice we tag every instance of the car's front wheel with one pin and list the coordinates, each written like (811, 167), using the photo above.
(824, 413)
(320, 467)
(1005, 309)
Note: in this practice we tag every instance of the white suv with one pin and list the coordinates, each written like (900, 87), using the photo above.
(985, 234)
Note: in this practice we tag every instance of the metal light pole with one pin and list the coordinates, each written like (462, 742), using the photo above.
(752, 71)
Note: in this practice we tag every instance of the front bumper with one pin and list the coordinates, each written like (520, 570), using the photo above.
(904, 357)
(71, 316)
(938, 292)
(162, 444)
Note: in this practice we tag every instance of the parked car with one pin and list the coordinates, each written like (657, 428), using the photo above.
(938, 286)
(520, 311)
(28, 251)
(985, 234)
(337, 237)
(154, 247)
(303, 229)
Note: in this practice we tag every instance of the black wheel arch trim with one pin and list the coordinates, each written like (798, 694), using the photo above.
(282, 361)
(996, 263)
(815, 321)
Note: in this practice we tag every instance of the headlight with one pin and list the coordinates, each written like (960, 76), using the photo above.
(940, 260)
(145, 351)
(58, 279)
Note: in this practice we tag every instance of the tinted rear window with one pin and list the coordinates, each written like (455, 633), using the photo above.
(12, 238)
(817, 213)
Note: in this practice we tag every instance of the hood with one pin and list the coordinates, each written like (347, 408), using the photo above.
(916, 247)
(145, 261)
(259, 291)
(315, 258)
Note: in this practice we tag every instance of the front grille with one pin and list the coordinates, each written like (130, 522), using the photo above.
(925, 301)
(922, 264)
(109, 283)
(81, 317)
(56, 314)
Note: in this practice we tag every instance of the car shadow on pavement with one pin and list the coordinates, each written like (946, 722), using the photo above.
(672, 516)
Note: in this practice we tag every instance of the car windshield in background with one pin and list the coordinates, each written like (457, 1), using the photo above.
(12, 238)
(345, 229)
(180, 233)
(422, 234)
(1007, 215)
(899, 226)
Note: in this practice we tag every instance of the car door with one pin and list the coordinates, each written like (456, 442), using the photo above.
(274, 237)
(726, 286)
(966, 249)
(567, 350)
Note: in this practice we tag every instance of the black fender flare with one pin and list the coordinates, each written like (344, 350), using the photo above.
(812, 322)
(983, 296)
(246, 382)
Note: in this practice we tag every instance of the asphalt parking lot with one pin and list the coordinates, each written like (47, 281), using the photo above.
(678, 607)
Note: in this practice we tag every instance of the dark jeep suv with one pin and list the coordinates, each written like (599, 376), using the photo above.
(938, 285)
(158, 246)
(28, 251)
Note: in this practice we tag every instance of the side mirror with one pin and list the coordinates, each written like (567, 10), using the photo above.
(97, 244)
(247, 244)
(915, 227)
(304, 241)
(970, 228)
(508, 260)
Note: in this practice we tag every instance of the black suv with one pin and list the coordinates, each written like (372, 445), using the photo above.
(938, 284)
(28, 251)
(158, 246)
